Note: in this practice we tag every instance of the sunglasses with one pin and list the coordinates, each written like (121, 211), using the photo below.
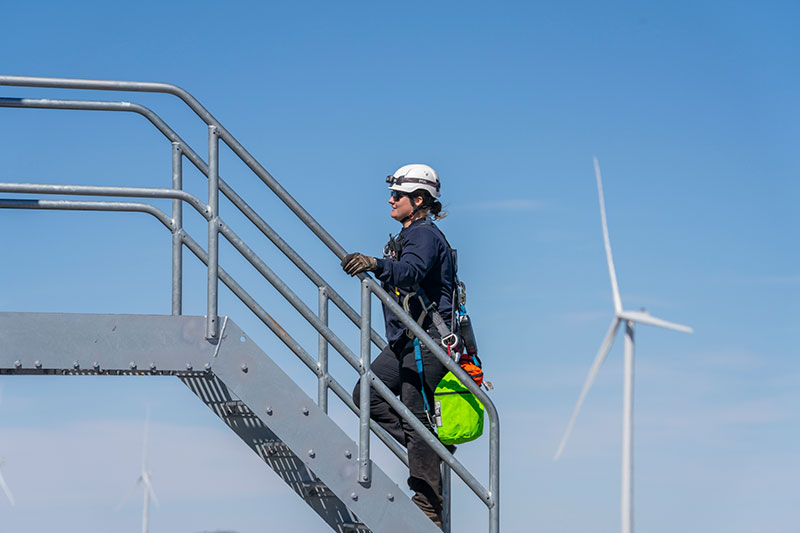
(396, 195)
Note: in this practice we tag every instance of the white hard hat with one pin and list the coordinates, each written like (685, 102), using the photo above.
(410, 178)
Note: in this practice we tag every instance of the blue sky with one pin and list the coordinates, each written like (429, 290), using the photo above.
(690, 107)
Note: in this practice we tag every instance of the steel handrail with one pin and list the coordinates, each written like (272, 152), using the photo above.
(361, 366)
(218, 130)
(227, 279)
(239, 150)
(71, 205)
(224, 229)
(206, 116)
(247, 253)
(94, 190)
(200, 164)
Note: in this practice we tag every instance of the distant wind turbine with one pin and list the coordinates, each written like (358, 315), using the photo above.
(3, 483)
(144, 479)
(629, 318)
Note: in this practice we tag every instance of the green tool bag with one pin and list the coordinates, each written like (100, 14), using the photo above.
(458, 413)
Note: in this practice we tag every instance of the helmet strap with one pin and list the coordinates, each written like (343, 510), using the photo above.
(414, 210)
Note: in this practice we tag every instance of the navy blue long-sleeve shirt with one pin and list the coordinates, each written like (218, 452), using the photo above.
(425, 259)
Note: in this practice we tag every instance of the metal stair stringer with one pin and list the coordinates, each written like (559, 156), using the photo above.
(329, 455)
(273, 451)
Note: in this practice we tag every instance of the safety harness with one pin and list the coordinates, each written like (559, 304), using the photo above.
(449, 339)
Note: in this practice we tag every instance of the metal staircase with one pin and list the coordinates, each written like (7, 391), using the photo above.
(211, 355)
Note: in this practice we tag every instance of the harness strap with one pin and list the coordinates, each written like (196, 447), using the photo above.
(418, 359)
(422, 315)
(427, 307)
(438, 322)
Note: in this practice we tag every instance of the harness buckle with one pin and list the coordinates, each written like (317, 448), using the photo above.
(450, 341)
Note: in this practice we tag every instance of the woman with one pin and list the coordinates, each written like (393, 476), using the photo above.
(418, 258)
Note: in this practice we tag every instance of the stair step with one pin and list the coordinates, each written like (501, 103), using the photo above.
(354, 528)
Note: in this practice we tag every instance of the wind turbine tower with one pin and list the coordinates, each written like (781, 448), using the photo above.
(629, 318)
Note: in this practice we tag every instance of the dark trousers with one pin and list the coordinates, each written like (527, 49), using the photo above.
(399, 372)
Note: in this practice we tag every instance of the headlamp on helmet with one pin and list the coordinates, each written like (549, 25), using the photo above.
(411, 178)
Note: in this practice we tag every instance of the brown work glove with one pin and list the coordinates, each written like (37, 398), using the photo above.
(356, 263)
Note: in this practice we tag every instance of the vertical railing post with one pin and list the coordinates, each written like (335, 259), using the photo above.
(322, 386)
(364, 473)
(213, 231)
(446, 495)
(494, 475)
(177, 227)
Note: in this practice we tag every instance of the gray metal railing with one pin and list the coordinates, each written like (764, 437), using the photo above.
(216, 227)
(197, 250)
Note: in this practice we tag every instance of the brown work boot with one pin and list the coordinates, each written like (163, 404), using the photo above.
(429, 510)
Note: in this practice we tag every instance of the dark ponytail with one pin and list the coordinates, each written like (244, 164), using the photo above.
(433, 206)
(435, 210)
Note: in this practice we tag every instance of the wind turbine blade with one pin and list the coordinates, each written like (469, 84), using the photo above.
(7, 490)
(644, 317)
(598, 362)
(128, 494)
(611, 272)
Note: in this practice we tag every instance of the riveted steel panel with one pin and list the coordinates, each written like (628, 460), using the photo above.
(294, 418)
(45, 342)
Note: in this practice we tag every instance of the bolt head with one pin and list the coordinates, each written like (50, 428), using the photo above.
(305, 411)
(244, 367)
(189, 367)
(75, 365)
(18, 363)
(269, 410)
(354, 496)
(348, 454)
(312, 453)
(37, 364)
(133, 365)
(152, 366)
(207, 366)
(96, 365)
(390, 497)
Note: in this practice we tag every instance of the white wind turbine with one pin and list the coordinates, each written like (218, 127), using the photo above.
(3, 483)
(144, 479)
(629, 318)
